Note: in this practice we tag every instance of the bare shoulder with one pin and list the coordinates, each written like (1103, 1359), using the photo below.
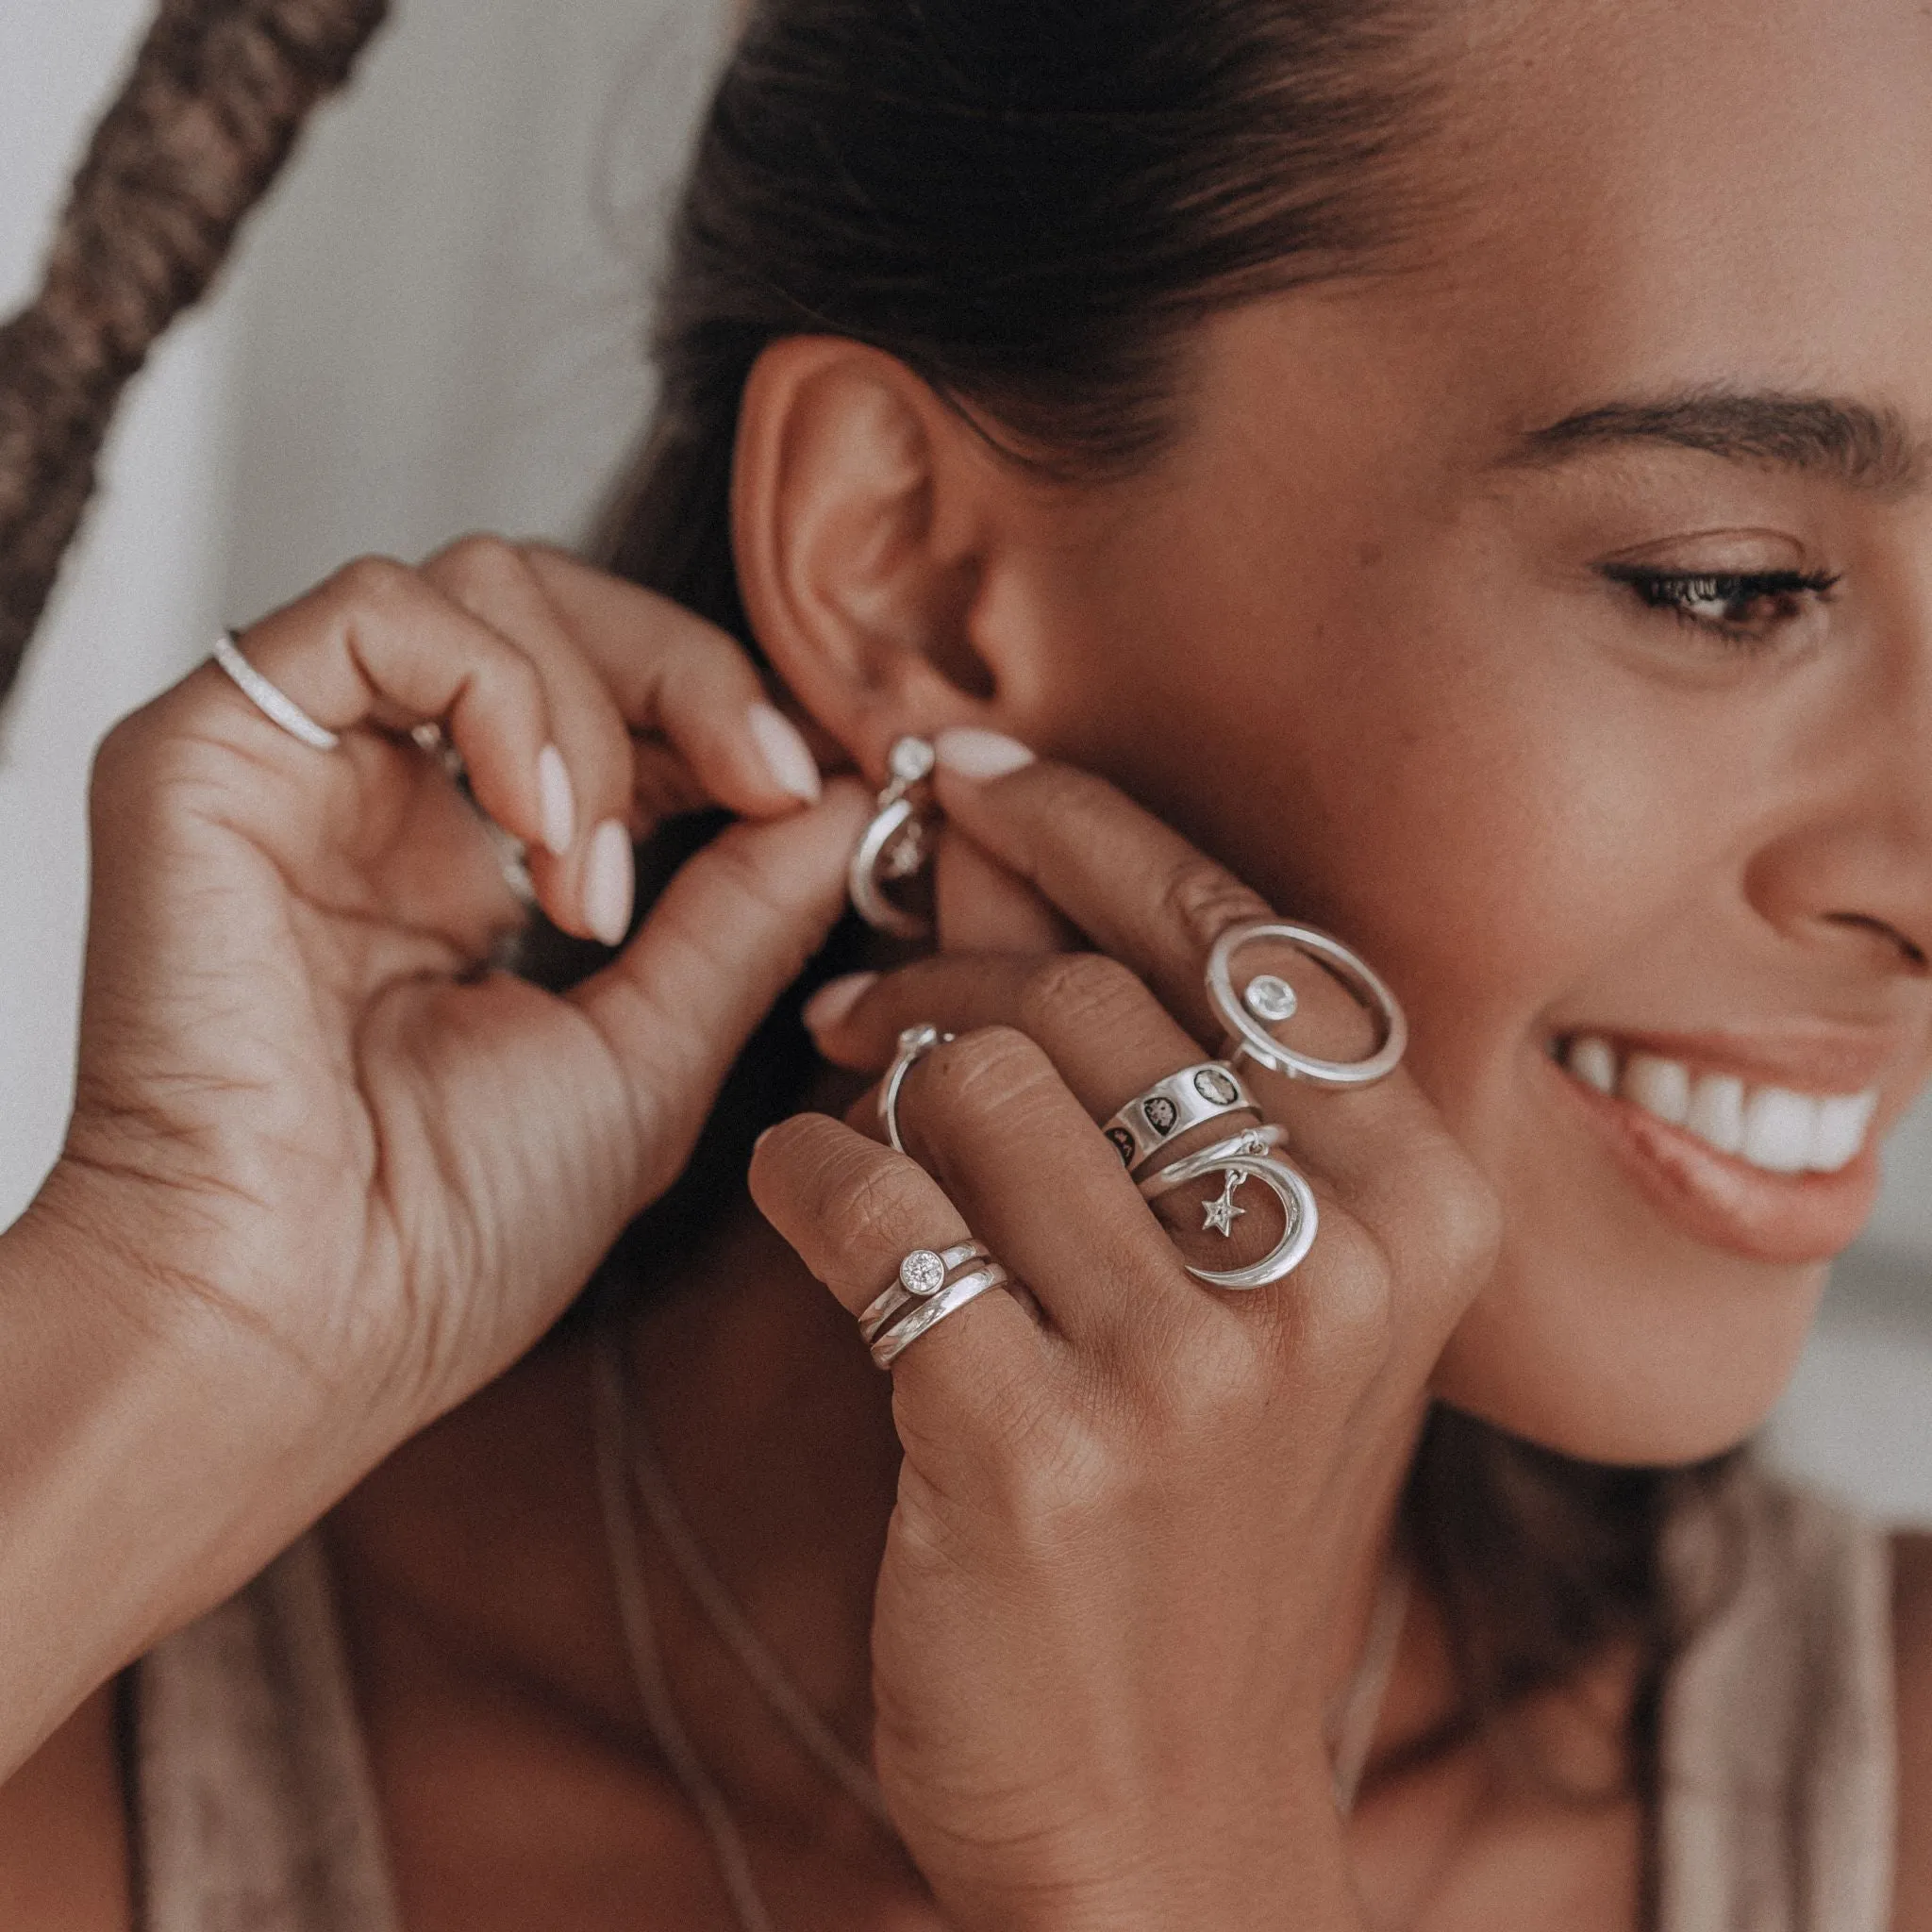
(63, 1839)
(1911, 1597)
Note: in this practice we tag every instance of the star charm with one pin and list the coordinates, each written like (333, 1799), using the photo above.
(1221, 1215)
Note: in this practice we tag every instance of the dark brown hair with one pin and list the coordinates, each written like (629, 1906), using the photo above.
(1031, 203)
(216, 97)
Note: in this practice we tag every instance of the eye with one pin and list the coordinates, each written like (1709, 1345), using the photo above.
(1742, 608)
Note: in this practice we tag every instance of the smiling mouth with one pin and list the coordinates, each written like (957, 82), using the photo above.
(1774, 1129)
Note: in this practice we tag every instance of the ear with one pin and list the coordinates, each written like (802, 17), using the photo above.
(864, 511)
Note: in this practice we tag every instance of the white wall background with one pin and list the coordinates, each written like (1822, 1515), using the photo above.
(435, 327)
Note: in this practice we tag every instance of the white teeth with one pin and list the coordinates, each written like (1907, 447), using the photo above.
(1594, 1062)
(1777, 1131)
(1771, 1127)
(1717, 1112)
(1659, 1086)
(1839, 1130)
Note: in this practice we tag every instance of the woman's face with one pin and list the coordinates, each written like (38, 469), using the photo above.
(1555, 623)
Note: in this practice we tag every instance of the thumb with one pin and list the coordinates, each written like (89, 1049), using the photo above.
(733, 929)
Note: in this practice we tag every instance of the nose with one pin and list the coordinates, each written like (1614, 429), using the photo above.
(1851, 869)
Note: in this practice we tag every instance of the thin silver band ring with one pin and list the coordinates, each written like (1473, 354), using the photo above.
(915, 1044)
(271, 700)
(930, 1313)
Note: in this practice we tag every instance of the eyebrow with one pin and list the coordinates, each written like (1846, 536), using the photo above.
(1845, 441)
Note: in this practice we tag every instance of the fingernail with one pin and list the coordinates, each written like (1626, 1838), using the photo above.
(786, 754)
(609, 882)
(972, 753)
(833, 1000)
(559, 801)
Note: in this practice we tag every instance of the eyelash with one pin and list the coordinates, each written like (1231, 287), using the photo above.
(1676, 591)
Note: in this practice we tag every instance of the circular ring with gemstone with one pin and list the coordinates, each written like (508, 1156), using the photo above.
(1268, 999)
(1170, 1108)
(1246, 1156)
(915, 1042)
(929, 1312)
(921, 1276)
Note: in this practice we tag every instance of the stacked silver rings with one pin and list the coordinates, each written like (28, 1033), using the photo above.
(931, 1285)
(1193, 1098)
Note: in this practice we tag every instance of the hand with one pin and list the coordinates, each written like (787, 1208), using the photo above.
(305, 1108)
(1109, 1593)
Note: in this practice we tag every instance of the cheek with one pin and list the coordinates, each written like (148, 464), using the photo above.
(1497, 823)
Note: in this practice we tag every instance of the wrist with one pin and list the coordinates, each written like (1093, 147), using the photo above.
(152, 1456)
(1285, 1868)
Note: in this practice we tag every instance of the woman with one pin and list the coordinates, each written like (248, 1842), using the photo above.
(1462, 468)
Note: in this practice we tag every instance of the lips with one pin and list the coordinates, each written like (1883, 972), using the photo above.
(1772, 1170)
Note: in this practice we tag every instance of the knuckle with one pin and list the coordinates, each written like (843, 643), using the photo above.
(482, 565)
(1203, 899)
(1087, 986)
(991, 1068)
(1346, 1321)
(884, 1208)
(1217, 1373)
(374, 586)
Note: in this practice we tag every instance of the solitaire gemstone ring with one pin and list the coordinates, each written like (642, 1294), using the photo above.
(921, 1274)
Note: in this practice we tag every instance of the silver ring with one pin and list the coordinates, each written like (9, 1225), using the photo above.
(271, 700)
(1269, 998)
(915, 1044)
(931, 1312)
(1244, 1157)
(921, 1276)
(1170, 1108)
(896, 844)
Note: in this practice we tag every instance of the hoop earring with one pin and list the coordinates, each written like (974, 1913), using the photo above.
(898, 845)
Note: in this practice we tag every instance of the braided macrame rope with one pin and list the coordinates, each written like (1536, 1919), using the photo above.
(217, 95)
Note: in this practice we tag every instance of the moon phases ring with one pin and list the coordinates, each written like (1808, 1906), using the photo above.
(1246, 1156)
(1171, 1107)
(915, 1044)
(1267, 1000)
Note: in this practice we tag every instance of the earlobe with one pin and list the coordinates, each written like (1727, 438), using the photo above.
(858, 517)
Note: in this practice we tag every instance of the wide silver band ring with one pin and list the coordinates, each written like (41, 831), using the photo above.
(271, 700)
(921, 1274)
(931, 1312)
(1246, 1156)
(1173, 1107)
(915, 1042)
(1266, 999)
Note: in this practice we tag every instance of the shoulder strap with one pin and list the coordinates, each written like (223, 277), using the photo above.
(1779, 1758)
(254, 1806)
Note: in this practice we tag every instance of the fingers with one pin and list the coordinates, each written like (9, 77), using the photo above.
(1107, 1035)
(672, 674)
(732, 930)
(853, 1211)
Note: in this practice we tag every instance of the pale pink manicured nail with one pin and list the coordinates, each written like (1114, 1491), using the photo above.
(835, 999)
(786, 754)
(609, 882)
(972, 753)
(559, 801)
